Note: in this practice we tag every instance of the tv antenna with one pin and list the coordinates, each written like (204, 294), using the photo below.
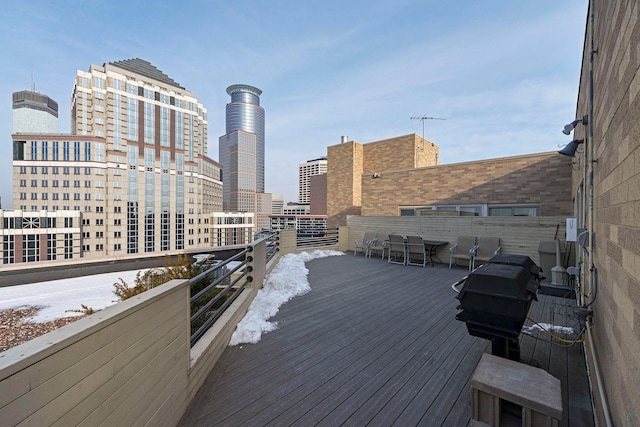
(423, 118)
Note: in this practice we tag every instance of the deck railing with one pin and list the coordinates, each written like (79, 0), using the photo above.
(310, 238)
(214, 290)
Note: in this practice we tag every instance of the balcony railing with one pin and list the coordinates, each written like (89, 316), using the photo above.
(322, 237)
(214, 290)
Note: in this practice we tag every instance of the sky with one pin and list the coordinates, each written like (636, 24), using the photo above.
(504, 74)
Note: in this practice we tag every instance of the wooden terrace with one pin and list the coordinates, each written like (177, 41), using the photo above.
(374, 344)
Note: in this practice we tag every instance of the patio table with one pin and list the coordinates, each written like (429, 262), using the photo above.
(431, 246)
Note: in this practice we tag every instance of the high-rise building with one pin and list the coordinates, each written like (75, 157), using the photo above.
(242, 155)
(305, 172)
(135, 163)
(34, 112)
(277, 204)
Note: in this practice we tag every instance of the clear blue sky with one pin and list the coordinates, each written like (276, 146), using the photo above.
(503, 73)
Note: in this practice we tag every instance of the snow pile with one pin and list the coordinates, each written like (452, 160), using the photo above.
(55, 297)
(287, 280)
(547, 327)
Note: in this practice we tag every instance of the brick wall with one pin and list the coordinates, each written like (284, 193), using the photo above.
(615, 145)
(543, 179)
(344, 171)
(348, 163)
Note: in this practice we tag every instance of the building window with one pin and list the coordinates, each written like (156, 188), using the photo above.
(68, 244)
(149, 123)
(514, 210)
(30, 248)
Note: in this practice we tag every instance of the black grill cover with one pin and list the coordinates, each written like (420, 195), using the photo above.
(521, 260)
(495, 300)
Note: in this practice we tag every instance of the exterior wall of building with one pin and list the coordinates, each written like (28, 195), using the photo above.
(263, 211)
(612, 216)
(242, 155)
(403, 152)
(305, 225)
(296, 209)
(541, 180)
(245, 113)
(277, 204)
(305, 172)
(237, 157)
(134, 165)
(318, 190)
(34, 113)
(344, 180)
(231, 228)
(381, 177)
(39, 236)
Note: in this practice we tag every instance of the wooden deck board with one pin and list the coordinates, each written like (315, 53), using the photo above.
(372, 343)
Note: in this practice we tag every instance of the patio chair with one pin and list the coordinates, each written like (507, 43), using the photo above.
(463, 249)
(416, 251)
(397, 246)
(381, 244)
(487, 248)
(368, 238)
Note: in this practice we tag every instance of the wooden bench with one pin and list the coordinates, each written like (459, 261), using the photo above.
(498, 383)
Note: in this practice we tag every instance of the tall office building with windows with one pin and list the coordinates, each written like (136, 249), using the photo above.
(242, 155)
(305, 172)
(34, 112)
(135, 163)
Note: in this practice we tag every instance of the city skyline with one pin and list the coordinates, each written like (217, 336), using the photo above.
(504, 75)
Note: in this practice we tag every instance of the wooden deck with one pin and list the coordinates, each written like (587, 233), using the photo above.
(371, 344)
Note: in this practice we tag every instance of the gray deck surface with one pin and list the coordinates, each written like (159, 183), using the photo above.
(372, 344)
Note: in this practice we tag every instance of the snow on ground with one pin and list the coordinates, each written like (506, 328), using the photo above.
(55, 297)
(287, 280)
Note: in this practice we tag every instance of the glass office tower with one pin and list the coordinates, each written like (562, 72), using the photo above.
(244, 113)
(242, 155)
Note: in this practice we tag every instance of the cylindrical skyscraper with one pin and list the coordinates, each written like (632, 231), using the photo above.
(245, 113)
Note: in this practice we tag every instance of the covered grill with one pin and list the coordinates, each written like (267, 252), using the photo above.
(495, 301)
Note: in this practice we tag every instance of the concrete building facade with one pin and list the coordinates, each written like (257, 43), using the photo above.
(305, 172)
(135, 164)
(230, 228)
(39, 236)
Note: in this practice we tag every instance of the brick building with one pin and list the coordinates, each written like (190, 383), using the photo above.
(606, 190)
(402, 176)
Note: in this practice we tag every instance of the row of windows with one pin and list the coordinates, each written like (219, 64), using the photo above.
(65, 196)
(471, 210)
(78, 154)
(65, 183)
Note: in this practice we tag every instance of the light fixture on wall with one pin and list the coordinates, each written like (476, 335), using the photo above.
(375, 175)
(569, 127)
(570, 148)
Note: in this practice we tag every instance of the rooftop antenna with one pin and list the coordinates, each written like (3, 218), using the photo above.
(33, 84)
(423, 118)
